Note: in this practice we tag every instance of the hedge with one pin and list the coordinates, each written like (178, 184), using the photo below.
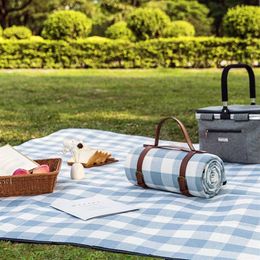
(97, 52)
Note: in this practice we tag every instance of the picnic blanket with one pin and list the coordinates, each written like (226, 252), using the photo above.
(204, 174)
(170, 225)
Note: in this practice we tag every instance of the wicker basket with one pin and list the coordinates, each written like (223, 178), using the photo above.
(33, 184)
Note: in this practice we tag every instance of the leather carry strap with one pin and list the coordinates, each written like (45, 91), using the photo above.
(181, 126)
(182, 174)
(170, 147)
(139, 173)
(181, 179)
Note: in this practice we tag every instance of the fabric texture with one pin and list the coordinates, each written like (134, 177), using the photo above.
(204, 174)
(233, 141)
(169, 225)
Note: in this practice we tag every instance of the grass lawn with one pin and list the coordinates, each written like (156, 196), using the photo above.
(34, 103)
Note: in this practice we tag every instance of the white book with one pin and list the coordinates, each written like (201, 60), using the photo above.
(92, 207)
(11, 159)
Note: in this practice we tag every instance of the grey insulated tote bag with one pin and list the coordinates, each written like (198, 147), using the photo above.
(232, 132)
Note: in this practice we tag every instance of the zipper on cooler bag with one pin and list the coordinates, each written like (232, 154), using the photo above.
(221, 131)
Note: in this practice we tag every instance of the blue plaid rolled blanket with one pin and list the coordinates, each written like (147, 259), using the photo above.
(205, 173)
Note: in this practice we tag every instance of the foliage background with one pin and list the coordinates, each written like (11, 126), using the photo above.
(141, 33)
(32, 13)
(36, 103)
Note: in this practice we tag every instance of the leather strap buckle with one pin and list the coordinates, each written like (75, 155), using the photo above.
(182, 180)
(184, 189)
(182, 183)
(139, 173)
(183, 186)
(140, 179)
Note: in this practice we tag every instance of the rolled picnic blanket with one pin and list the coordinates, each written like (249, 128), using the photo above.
(187, 171)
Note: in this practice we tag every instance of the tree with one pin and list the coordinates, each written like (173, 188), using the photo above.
(8, 7)
(119, 5)
(186, 10)
(218, 8)
(117, 10)
(243, 22)
(89, 7)
(35, 13)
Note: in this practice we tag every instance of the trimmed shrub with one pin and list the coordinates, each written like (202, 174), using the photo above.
(187, 10)
(242, 21)
(193, 52)
(17, 32)
(120, 30)
(66, 25)
(179, 28)
(36, 38)
(147, 23)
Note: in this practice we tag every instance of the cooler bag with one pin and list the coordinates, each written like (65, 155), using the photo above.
(232, 131)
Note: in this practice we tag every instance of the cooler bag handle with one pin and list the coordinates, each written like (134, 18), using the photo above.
(181, 126)
(224, 86)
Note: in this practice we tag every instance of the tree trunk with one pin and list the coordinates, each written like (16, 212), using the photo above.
(3, 13)
(134, 3)
(4, 20)
(6, 10)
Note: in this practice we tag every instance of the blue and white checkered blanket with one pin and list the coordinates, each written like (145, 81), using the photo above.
(204, 174)
(167, 224)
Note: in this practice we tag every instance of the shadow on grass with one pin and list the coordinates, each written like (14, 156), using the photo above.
(127, 102)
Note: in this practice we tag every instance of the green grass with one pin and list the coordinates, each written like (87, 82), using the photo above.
(35, 103)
